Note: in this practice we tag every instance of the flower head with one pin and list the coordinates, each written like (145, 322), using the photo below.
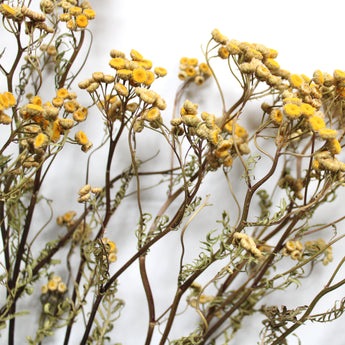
(81, 21)
(316, 123)
(292, 111)
(139, 75)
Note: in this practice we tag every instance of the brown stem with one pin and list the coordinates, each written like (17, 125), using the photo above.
(149, 297)
(71, 60)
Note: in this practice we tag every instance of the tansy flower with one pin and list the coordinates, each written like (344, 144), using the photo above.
(327, 133)
(34, 109)
(150, 78)
(153, 114)
(292, 111)
(228, 127)
(7, 10)
(108, 79)
(223, 53)
(160, 71)
(5, 119)
(71, 24)
(52, 285)
(139, 75)
(318, 77)
(232, 48)
(66, 123)
(40, 140)
(192, 62)
(56, 131)
(182, 75)
(271, 64)
(296, 255)
(228, 161)
(295, 80)
(124, 74)
(81, 21)
(117, 54)
(333, 146)
(62, 93)
(112, 257)
(70, 107)
(262, 72)
(190, 71)
(273, 53)
(90, 14)
(184, 61)
(61, 287)
(75, 10)
(316, 123)
(145, 63)
(65, 17)
(290, 246)
(4, 102)
(203, 68)
(213, 137)
(117, 63)
(10, 98)
(224, 145)
(221, 154)
(241, 132)
(81, 138)
(68, 216)
(121, 89)
(98, 76)
(148, 96)
(276, 116)
(307, 109)
(136, 56)
(199, 80)
(338, 75)
(79, 116)
(294, 100)
(252, 53)
(44, 289)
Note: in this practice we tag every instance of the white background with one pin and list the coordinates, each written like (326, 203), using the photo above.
(307, 35)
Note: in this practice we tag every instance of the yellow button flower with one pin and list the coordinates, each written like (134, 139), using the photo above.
(316, 123)
(292, 111)
(81, 21)
(139, 75)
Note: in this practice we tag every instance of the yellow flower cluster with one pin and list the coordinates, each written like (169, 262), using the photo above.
(313, 247)
(190, 69)
(33, 20)
(85, 192)
(207, 127)
(7, 100)
(294, 249)
(111, 249)
(55, 284)
(76, 17)
(43, 126)
(247, 243)
(295, 185)
(253, 59)
(133, 78)
(82, 232)
(325, 161)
